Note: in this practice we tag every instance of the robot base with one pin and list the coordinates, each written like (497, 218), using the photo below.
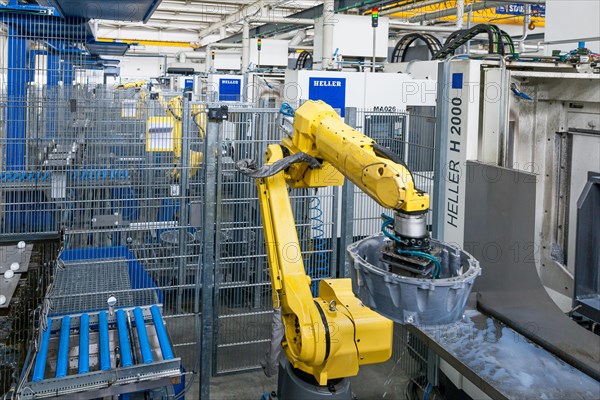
(293, 384)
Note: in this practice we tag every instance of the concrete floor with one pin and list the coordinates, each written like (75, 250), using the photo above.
(373, 382)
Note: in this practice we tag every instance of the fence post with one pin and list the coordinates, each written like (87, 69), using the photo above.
(183, 197)
(347, 212)
(208, 256)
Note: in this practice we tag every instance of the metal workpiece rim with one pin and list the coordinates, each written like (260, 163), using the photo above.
(412, 300)
(473, 272)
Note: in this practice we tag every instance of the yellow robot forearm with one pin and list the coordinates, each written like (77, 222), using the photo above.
(320, 132)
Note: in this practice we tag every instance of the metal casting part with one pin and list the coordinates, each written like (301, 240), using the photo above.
(412, 300)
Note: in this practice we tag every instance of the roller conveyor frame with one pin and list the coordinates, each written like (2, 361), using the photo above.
(146, 361)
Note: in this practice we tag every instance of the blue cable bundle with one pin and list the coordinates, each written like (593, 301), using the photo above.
(388, 221)
(320, 257)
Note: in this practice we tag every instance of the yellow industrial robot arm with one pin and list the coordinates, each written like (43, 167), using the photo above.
(132, 85)
(328, 336)
(198, 112)
(331, 335)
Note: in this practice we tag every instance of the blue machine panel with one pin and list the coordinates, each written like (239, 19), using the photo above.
(331, 90)
(457, 80)
(230, 89)
(189, 84)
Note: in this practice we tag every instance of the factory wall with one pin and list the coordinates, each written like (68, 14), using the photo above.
(141, 67)
(567, 20)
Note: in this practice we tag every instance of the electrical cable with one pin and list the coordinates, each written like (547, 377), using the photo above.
(517, 92)
(250, 168)
(427, 391)
(304, 61)
(388, 221)
(497, 40)
(402, 46)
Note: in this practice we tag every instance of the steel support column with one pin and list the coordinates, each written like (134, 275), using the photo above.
(183, 201)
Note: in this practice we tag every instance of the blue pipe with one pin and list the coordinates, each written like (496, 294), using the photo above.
(124, 343)
(67, 75)
(40, 360)
(63, 348)
(161, 332)
(53, 70)
(16, 93)
(140, 325)
(104, 343)
(84, 344)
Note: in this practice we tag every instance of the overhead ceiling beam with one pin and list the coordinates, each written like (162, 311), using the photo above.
(246, 12)
(309, 13)
(410, 6)
(228, 2)
(200, 20)
(151, 26)
(210, 9)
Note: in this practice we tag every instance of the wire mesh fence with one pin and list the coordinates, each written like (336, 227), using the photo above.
(411, 357)
(118, 174)
(243, 295)
(410, 135)
(44, 69)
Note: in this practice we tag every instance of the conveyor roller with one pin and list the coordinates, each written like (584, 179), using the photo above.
(100, 354)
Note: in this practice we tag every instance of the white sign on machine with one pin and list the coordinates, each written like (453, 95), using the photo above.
(398, 91)
(462, 119)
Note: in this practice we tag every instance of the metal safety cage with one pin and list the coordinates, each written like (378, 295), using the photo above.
(135, 213)
(42, 64)
(131, 212)
(242, 302)
(115, 173)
